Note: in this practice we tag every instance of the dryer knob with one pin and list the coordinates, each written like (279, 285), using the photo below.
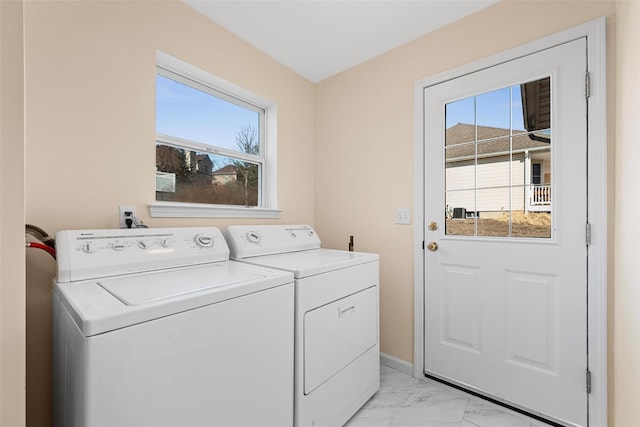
(204, 240)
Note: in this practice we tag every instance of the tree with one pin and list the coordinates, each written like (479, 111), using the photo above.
(247, 142)
(172, 160)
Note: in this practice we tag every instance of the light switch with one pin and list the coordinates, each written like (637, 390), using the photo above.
(403, 216)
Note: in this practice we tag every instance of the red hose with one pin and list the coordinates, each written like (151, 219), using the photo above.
(49, 249)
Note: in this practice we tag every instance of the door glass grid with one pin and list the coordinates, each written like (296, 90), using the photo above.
(498, 163)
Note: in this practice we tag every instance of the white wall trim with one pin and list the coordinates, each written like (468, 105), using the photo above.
(598, 205)
(203, 210)
(595, 32)
(395, 363)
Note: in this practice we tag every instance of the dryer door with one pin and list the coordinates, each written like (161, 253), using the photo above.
(336, 334)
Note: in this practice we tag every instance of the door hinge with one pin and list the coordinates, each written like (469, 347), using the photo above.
(588, 381)
(588, 234)
(423, 245)
(587, 85)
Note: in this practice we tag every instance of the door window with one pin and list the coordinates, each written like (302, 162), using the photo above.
(497, 156)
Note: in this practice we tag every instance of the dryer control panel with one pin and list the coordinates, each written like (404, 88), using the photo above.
(247, 241)
(89, 254)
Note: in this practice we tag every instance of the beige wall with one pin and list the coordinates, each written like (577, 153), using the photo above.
(89, 101)
(90, 93)
(626, 299)
(12, 283)
(365, 130)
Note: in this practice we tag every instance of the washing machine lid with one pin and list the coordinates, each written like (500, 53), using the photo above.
(103, 305)
(158, 286)
(311, 262)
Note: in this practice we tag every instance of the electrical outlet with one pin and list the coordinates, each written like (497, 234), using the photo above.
(126, 211)
(403, 216)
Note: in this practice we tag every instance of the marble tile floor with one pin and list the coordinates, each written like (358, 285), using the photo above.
(404, 401)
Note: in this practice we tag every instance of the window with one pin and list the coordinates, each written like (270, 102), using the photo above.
(536, 173)
(489, 139)
(215, 146)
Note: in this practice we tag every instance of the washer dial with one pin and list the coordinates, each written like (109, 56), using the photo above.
(254, 237)
(204, 240)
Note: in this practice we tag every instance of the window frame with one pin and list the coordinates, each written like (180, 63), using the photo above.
(176, 69)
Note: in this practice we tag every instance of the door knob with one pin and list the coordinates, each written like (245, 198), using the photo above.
(432, 246)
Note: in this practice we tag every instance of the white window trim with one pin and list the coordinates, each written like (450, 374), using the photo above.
(269, 190)
(201, 210)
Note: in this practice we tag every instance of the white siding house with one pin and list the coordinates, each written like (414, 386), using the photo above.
(489, 172)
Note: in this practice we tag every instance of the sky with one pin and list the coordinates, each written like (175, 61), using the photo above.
(188, 113)
(493, 109)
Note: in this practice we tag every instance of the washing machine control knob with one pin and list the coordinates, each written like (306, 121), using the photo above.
(88, 248)
(204, 240)
(165, 243)
(254, 237)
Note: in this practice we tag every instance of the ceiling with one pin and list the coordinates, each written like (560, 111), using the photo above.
(320, 38)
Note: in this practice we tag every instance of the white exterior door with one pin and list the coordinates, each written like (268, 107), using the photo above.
(505, 253)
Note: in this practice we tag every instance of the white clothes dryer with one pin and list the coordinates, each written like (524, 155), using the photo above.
(156, 327)
(337, 354)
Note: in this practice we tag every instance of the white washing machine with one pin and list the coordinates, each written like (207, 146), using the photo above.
(337, 356)
(156, 327)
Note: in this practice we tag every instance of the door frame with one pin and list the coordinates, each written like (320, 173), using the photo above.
(595, 33)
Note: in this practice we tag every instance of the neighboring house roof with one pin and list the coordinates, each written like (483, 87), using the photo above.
(227, 170)
(205, 165)
(461, 140)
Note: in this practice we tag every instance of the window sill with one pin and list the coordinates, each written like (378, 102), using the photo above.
(197, 210)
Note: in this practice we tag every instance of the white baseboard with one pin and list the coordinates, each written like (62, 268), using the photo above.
(395, 363)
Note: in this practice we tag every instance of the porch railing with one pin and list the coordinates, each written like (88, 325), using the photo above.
(539, 195)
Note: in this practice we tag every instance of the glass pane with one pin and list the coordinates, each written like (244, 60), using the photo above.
(498, 163)
(495, 212)
(195, 177)
(518, 186)
(460, 176)
(532, 142)
(531, 224)
(493, 114)
(493, 164)
(460, 227)
(493, 148)
(460, 201)
(536, 105)
(517, 122)
(460, 122)
(460, 213)
(460, 152)
(188, 113)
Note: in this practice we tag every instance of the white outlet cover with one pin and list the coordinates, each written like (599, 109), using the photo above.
(123, 209)
(403, 216)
